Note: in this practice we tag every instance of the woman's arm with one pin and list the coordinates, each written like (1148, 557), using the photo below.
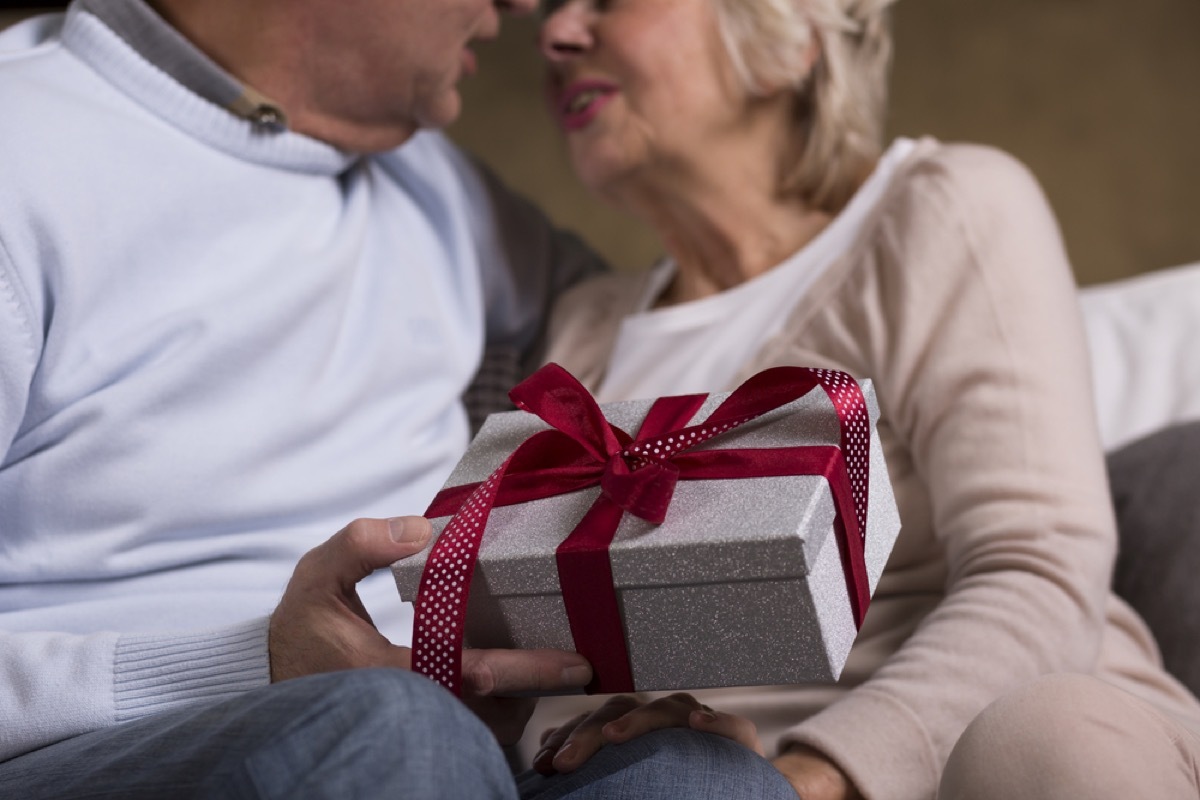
(970, 327)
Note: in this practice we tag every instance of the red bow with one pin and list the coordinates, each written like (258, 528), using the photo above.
(635, 474)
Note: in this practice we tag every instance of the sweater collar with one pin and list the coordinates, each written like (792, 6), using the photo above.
(156, 41)
(139, 52)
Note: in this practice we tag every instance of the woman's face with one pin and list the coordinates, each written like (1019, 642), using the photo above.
(641, 88)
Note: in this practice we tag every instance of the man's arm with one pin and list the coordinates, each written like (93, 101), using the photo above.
(59, 685)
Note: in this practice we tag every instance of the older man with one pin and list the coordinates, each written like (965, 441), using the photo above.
(243, 299)
(235, 315)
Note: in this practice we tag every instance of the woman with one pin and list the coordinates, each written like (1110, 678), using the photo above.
(994, 661)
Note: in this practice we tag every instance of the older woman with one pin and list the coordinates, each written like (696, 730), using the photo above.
(995, 660)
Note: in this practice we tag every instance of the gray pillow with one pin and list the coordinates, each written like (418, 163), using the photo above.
(1156, 491)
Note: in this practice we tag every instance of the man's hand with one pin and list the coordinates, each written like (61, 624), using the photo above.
(321, 625)
(490, 675)
(814, 776)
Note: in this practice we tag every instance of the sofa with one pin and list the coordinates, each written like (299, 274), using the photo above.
(1144, 335)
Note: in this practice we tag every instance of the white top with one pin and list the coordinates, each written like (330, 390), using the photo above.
(218, 346)
(701, 345)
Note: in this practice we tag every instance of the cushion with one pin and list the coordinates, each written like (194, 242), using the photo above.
(1143, 334)
(1156, 492)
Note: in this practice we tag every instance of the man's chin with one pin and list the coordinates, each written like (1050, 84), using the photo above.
(442, 112)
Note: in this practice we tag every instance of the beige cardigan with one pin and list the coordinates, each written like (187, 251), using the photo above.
(958, 302)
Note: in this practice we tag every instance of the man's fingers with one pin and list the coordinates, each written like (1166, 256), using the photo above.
(362, 547)
(508, 672)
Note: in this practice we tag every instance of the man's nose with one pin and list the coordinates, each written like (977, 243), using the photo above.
(517, 6)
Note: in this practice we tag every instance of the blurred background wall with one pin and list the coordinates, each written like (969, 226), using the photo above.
(1101, 98)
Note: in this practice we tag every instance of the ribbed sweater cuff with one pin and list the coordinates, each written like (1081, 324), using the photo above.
(878, 743)
(157, 672)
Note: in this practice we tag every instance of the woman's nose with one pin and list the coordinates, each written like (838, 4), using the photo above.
(566, 31)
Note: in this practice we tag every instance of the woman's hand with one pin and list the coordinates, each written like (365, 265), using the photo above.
(813, 776)
(623, 718)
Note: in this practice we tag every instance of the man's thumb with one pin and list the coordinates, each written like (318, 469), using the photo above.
(366, 545)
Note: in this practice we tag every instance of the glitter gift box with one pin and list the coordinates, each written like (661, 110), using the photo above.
(742, 584)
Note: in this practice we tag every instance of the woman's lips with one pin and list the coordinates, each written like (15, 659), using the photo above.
(580, 102)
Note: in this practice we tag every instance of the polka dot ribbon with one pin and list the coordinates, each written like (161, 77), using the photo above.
(636, 475)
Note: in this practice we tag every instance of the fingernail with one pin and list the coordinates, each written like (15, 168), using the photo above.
(578, 675)
(565, 752)
(617, 726)
(409, 530)
(544, 759)
(707, 715)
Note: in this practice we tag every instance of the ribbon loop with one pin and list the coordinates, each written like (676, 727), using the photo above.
(554, 395)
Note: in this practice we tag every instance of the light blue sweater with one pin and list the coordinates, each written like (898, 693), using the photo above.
(217, 347)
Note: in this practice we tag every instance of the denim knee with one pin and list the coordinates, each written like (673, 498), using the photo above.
(663, 765)
(369, 733)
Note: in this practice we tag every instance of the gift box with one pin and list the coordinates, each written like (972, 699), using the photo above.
(745, 581)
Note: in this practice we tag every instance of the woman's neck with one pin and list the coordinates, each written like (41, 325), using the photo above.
(726, 235)
(723, 228)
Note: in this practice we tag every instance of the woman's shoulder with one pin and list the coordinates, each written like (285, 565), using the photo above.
(957, 220)
(946, 200)
(606, 294)
(964, 176)
(586, 318)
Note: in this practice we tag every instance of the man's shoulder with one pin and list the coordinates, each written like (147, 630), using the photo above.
(30, 39)
(32, 56)
(42, 85)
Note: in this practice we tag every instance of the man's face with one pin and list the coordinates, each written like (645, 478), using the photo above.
(436, 37)
(397, 63)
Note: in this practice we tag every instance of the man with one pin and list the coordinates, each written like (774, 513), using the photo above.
(226, 332)
(243, 299)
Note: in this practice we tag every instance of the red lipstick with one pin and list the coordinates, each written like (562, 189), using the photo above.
(579, 103)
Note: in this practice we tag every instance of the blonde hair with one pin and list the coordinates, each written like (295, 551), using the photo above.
(840, 98)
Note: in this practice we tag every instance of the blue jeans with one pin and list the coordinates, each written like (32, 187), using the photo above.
(360, 734)
(671, 764)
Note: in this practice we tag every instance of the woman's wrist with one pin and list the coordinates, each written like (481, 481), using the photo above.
(813, 776)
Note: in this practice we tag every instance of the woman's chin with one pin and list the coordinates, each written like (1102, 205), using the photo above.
(601, 176)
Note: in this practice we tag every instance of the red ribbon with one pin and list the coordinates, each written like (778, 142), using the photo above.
(635, 474)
